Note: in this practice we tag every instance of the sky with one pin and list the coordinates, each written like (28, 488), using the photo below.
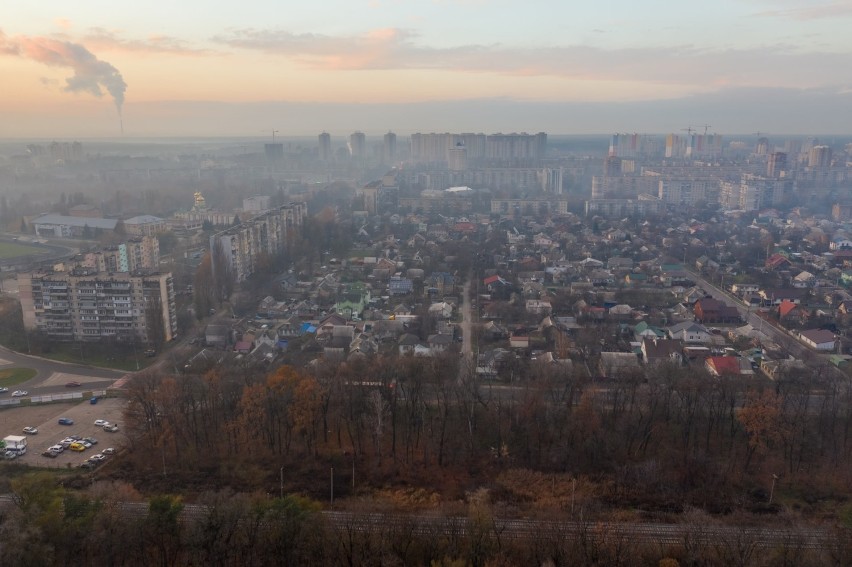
(193, 68)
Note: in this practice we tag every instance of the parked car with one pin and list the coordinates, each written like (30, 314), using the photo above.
(66, 421)
(87, 465)
(50, 454)
(11, 455)
(77, 446)
(108, 451)
(3, 390)
(150, 353)
(56, 449)
(111, 428)
(90, 440)
(98, 457)
(19, 393)
(72, 384)
(65, 443)
(31, 430)
(101, 422)
(75, 437)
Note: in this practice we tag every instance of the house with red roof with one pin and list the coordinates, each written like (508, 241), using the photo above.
(728, 366)
(776, 262)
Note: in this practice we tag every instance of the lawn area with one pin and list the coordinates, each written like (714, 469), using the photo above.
(97, 355)
(14, 250)
(14, 376)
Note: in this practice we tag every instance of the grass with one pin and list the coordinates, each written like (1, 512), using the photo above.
(14, 376)
(94, 354)
(14, 250)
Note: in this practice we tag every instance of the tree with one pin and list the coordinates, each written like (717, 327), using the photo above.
(204, 289)
(760, 417)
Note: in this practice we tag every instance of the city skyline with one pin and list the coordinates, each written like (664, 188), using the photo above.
(199, 69)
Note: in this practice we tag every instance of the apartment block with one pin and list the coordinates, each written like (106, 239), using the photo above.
(88, 305)
(243, 245)
(134, 255)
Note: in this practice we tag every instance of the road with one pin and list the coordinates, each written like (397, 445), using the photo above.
(778, 336)
(51, 376)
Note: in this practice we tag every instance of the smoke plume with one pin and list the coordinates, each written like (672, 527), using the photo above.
(90, 74)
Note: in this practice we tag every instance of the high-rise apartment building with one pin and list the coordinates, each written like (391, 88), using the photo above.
(389, 147)
(754, 192)
(133, 255)
(357, 145)
(324, 146)
(776, 165)
(503, 150)
(89, 305)
(242, 246)
(819, 156)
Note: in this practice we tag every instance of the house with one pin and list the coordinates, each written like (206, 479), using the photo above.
(494, 282)
(840, 244)
(689, 332)
(803, 279)
(709, 310)
(777, 262)
(519, 341)
(400, 286)
(538, 307)
(615, 364)
(243, 347)
(819, 339)
(441, 309)
(493, 331)
(645, 331)
(217, 335)
(439, 343)
(621, 310)
(618, 263)
(743, 288)
(791, 312)
(407, 342)
(335, 349)
(728, 366)
(776, 296)
(662, 351)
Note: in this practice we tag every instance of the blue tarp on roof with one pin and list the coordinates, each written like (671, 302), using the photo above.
(308, 328)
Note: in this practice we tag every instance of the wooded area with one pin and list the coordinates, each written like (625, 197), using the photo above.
(664, 440)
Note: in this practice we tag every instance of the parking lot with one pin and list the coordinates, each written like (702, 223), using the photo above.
(45, 417)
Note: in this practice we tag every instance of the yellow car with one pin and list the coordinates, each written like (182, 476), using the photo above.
(77, 447)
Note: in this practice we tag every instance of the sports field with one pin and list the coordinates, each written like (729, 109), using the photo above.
(14, 250)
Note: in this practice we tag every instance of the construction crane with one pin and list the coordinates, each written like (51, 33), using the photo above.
(273, 134)
(706, 127)
(759, 134)
(688, 129)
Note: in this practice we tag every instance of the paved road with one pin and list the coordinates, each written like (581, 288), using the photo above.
(51, 376)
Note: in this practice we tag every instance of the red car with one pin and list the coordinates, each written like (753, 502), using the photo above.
(72, 385)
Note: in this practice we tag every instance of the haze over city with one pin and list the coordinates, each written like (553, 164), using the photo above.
(231, 69)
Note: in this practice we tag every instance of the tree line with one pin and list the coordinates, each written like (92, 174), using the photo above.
(110, 524)
(664, 439)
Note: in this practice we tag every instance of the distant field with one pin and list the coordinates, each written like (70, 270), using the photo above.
(14, 250)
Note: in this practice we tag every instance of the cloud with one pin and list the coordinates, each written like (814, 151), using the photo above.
(90, 74)
(393, 48)
(155, 44)
(835, 9)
